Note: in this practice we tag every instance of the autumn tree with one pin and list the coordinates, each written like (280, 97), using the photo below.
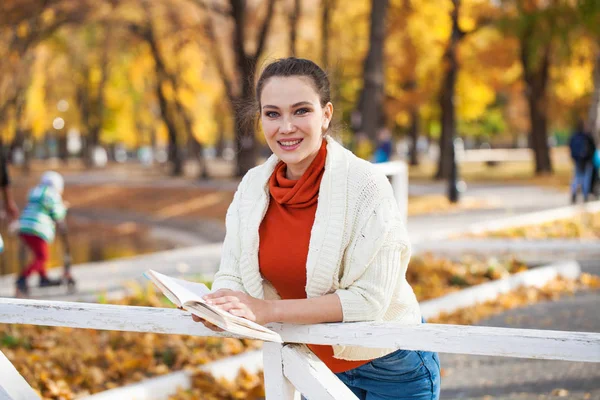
(293, 21)
(327, 7)
(370, 115)
(23, 25)
(239, 83)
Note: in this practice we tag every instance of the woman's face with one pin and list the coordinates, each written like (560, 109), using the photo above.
(293, 121)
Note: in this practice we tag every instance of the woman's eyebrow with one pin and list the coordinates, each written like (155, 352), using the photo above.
(300, 103)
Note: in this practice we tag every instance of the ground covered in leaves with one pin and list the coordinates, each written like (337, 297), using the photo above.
(583, 226)
(63, 363)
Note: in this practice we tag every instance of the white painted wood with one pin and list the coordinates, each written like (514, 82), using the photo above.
(398, 171)
(477, 340)
(4, 395)
(102, 316)
(536, 277)
(12, 385)
(158, 388)
(311, 376)
(229, 367)
(526, 343)
(277, 386)
(498, 155)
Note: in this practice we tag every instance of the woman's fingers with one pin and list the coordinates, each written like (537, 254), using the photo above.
(206, 323)
(224, 300)
(218, 293)
(244, 313)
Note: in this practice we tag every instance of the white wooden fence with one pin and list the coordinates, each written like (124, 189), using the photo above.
(291, 367)
(397, 171)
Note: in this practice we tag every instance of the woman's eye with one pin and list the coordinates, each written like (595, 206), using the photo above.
(271, 114)
(302, 111)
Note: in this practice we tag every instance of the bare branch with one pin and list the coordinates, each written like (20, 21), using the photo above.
(218, 57)
(264, 30)
(212, 7)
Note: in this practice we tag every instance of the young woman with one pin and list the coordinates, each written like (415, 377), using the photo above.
(314, 235)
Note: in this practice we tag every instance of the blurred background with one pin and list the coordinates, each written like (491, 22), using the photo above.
(140, 105)
(95, 82)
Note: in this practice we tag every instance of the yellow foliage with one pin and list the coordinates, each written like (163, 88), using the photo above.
(23, 29)
(473, 97)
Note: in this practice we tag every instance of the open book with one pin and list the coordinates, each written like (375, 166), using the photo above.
(188, 295)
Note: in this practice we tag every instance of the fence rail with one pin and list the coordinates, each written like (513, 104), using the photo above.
(288, 366)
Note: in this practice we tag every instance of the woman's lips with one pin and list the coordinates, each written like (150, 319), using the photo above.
(289, 145)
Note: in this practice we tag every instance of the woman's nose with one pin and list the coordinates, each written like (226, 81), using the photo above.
(287, 126)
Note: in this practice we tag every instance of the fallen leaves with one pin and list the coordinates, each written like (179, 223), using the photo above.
(65, 363)
(432, 277)
(247, 386)
(519, 297)
(582, 226)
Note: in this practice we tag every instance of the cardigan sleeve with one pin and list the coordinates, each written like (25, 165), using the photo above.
(376, 264)
(228, 276)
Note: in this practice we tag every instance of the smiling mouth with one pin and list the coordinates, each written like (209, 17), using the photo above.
(289, 144)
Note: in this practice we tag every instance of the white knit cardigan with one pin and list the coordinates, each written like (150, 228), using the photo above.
(358, 247)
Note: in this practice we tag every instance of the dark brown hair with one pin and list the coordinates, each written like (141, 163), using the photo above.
(293, 66)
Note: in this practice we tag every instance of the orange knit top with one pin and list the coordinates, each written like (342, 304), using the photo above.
(284, 238)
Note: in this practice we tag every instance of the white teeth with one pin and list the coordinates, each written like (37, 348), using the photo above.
(289, 142)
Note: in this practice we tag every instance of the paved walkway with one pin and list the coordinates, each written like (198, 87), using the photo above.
(482, 377)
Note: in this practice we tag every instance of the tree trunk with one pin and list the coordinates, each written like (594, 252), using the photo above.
(245, 140)
(294, 18)
(63, 153)
(446, 99)
(325, 22)
(175, 156)
(371, 100)
(594, 112)
(536, 81)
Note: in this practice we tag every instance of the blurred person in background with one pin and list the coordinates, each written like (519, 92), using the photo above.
(44, 212)
(595, 185)
(10, 207)
(383, 151)
(582, 148)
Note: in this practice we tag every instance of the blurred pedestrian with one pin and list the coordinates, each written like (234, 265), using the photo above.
(383, 151)
(44, 212)
(10, 207)
(595, 185)
(582, 147)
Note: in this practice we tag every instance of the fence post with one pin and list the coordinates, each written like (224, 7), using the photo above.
(400, 186)
(397, 171)
(277, 386)
(312, 377)
(12, 385)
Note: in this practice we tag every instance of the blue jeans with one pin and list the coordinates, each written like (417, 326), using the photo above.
(401, 375)
(583, 179)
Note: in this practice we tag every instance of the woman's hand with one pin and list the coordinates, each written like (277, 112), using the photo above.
(207, 324)
(241, 305)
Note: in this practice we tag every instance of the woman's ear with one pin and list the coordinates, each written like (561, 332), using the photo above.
(327, 115)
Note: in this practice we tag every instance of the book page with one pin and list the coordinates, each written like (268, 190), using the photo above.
(189, 294)
(165, 290)
(185, 291)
